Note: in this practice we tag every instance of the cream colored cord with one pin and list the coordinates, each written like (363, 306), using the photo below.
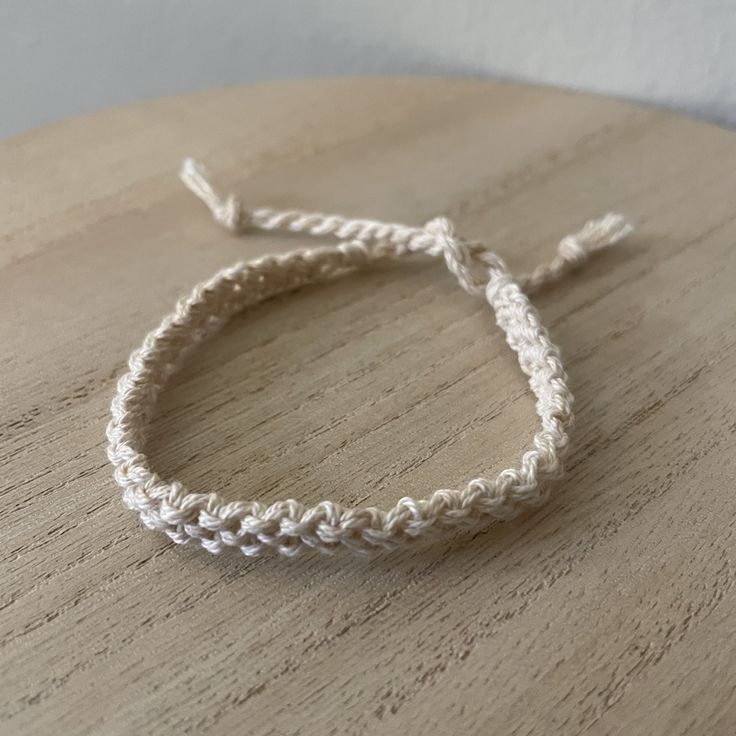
(289, 526)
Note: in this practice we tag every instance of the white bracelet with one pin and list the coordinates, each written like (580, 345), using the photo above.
(288, 526)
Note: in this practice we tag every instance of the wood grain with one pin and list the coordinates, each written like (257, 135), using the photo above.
(609, 611)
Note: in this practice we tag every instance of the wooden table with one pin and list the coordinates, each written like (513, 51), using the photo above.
(610, 610)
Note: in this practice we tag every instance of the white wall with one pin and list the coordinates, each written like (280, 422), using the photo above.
(66, 57)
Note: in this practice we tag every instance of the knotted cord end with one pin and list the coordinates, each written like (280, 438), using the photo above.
(595, 235)
(227, 212)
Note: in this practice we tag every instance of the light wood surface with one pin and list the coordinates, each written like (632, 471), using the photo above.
(611, 610)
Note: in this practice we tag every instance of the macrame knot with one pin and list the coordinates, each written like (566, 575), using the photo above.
(466, 261)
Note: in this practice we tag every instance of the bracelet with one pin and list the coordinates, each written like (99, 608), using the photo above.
(287, 527)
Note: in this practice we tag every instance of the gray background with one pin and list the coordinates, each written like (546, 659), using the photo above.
(60, 58)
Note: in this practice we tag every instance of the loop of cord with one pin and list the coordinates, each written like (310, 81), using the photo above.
(287, 527)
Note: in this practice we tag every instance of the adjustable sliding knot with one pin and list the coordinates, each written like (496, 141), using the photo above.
(468, 262)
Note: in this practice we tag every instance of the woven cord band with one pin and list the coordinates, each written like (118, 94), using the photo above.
(286, 527)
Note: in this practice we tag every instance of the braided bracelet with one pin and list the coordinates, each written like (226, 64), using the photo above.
(288, 526)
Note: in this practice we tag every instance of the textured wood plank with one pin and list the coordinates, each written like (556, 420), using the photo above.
(608, 611)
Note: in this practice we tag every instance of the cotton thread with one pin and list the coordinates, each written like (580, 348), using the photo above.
(287, 527)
